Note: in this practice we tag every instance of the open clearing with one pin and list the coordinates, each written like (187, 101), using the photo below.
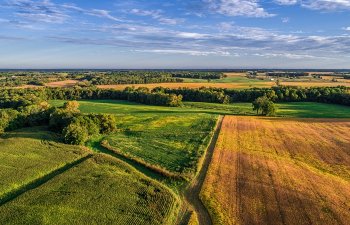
(280, 171)
(64, 83)
(28, 154)
(100, 190)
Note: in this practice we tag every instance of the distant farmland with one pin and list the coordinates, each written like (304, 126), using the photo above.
(280, 171)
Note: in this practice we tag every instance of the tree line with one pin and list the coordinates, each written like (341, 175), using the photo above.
(198, 75)
(15, 98)
(334, 95)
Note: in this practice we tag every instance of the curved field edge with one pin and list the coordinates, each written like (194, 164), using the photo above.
(263, 167)
(59, 198)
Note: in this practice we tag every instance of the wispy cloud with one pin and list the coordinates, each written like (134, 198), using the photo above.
(323, 5)
(187, 52)
(49, 12)
(248, 8)
(157, 15)
(41, 11)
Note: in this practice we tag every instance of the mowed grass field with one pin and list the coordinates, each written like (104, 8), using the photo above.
(28, 154)
(280, 171)
(163, 138)
(100, 190)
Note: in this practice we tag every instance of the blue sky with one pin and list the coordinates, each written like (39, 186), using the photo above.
(175, 34)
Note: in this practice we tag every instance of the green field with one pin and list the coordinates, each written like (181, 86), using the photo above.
(168, 139)
(293, 109)
(28, 154)
(101, 190)
(173, 142)
(290, 109)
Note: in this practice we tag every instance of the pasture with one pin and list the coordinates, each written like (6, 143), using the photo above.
(280, 171)
(28, 154)
(292, 109)
(166, 139)
(100, 190)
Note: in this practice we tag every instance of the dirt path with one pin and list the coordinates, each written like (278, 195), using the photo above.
(192, 192)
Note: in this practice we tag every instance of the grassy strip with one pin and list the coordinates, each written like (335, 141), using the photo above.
(40, 181)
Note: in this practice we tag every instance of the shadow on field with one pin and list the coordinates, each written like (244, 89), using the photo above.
(40, 133)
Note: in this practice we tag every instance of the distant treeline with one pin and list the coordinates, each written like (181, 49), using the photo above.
(16, 98)
(91, 78)
(286, 74)
(15, 79)
(198, 75)
(335, 95)
(130, 77)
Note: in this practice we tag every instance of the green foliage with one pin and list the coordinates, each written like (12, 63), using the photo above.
(71, 106)
(265, 106)
(101, 190)
(29, 153)
(75, 134)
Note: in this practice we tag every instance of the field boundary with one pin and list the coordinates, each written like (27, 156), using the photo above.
(192, 193)
(154, 168)
(40, 181)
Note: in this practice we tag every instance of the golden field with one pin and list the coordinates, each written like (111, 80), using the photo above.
(280, 171)
(64, 83)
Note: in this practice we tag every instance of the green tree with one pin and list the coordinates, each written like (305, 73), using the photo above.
(72, 106)
(265, 106)
(75, 134)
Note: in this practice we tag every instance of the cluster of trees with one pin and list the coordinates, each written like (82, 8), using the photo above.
(334, 95)
(198, 95)
(75, 127)
(198, 74)
(286, 74)
(264, 106)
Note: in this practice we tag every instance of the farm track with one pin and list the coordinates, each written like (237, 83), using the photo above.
(42, 180)
(192, 193)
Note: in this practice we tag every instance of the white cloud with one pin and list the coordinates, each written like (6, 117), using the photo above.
(346, 28)
(248, 8)
(157, 15)
(323, 5)
(286, 2)
(187, 52)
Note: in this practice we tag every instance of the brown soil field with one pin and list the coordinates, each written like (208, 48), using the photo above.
(280, 171)
(65, 83)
